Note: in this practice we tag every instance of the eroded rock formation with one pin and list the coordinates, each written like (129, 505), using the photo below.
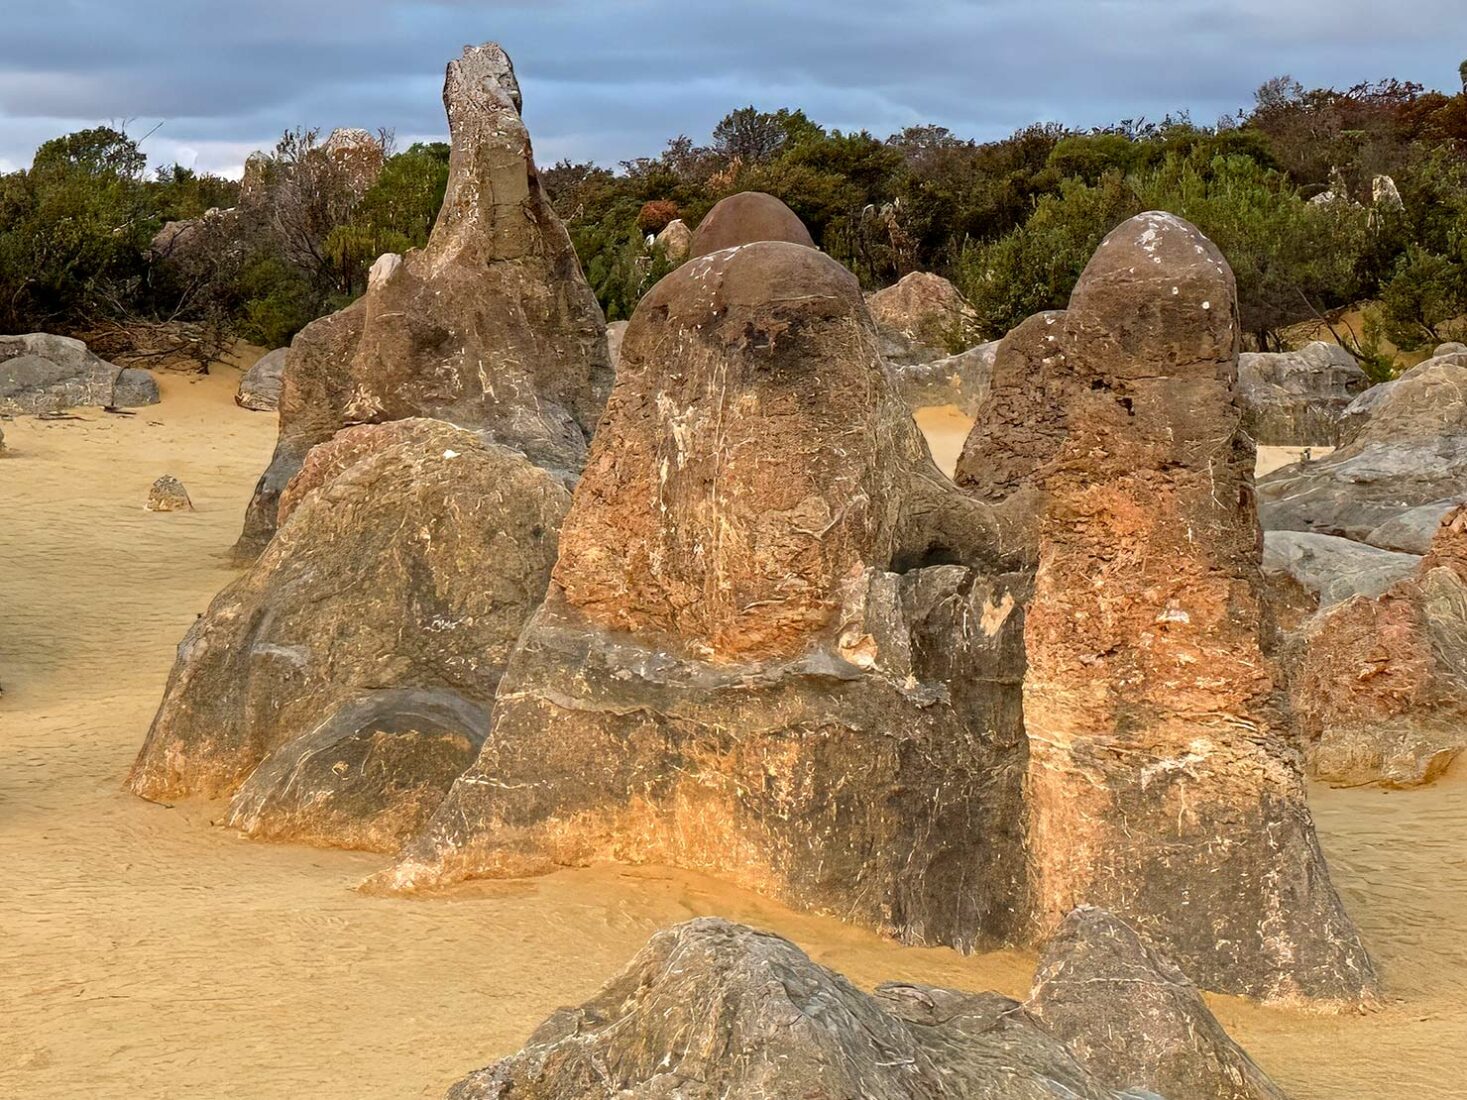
(42, 373)
(491, 326)
(1148, 699)
(358, 655)
(1296, 398)
(923, 317)
(751, 661)
(259, 388)
(745, 218)
(676, 240)
(1380, 687)
(712, 1009)
(168, 495)
(1404, 446)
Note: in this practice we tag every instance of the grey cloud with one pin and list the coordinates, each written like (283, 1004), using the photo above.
(612, 79)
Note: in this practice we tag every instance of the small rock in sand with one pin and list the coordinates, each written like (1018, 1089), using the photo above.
(168, 495)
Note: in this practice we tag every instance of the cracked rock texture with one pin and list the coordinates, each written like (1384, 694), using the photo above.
(1296, 398)
(1379, 688)
(491, 326)
(711, 1009)
(410, 561)
(1160, 784)
(780, 647)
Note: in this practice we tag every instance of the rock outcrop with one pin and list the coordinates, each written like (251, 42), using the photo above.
(780, 647)
(615, 332)
(675, 240)
(962, 380)
(1404, 446)
(745, 218)
(168, 495)
(712, 1009)
(1132, 1019)
(41, 373)
(1148, 700)
(491, 326)
(1380, 686)
(354, 662)
(1296, 398)
(923, 317)
(259, 388)
(1334, 569)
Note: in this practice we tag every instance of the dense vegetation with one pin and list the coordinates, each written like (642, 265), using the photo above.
(1290, 190)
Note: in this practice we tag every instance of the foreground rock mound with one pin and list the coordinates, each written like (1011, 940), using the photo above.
(1132, 1019)
(1148, 698)
(923, 317)
(745, 218)
(259, 389)
(358, 655)
(1296, 398)
(1380, 689)
(41, 373)
(1404, 446)
(775, 634)
(711, 1009)
(491, 326)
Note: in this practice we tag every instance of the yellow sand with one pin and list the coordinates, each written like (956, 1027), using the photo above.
(145, 952)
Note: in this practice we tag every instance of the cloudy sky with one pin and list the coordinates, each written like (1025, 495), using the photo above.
(611, 79)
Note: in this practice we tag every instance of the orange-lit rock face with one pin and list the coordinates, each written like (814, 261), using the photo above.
(1158, 784)
(1380, 689)
(744, 470)
(746, 218)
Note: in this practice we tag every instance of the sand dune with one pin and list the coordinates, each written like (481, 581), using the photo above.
(145, 952)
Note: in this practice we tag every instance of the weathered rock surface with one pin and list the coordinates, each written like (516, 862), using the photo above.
(962, 380)
(1020, 426)
(411, 563)
(1404, 446)
(41, 373)
(259, 389)
(1451, 347)
(168, 495)
(1411, 531)
(615, 332)
(1132, 1019)
(1380, 687)
(358, 155)
(751, 662)
(745, 218)
(711, 1009)
(1296, 398)
(927, 313)
(491, 326)
(1334, 569)
(1148, 700)
(370, 775)
(675, 240)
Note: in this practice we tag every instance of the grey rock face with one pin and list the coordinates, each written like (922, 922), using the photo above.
(1132, 1019)
(259, 389)
(1296, 398)
(41, 373)
(368, 776)
(962, 380)
(1404, 446)
(491, 326)
(710, 1009)
(1411, 531)
(410, 563)
(615, 332)
(168, 495)
(1451, 347)
(1334, 569)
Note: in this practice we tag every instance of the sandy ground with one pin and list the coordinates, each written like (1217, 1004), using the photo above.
(145, 952)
